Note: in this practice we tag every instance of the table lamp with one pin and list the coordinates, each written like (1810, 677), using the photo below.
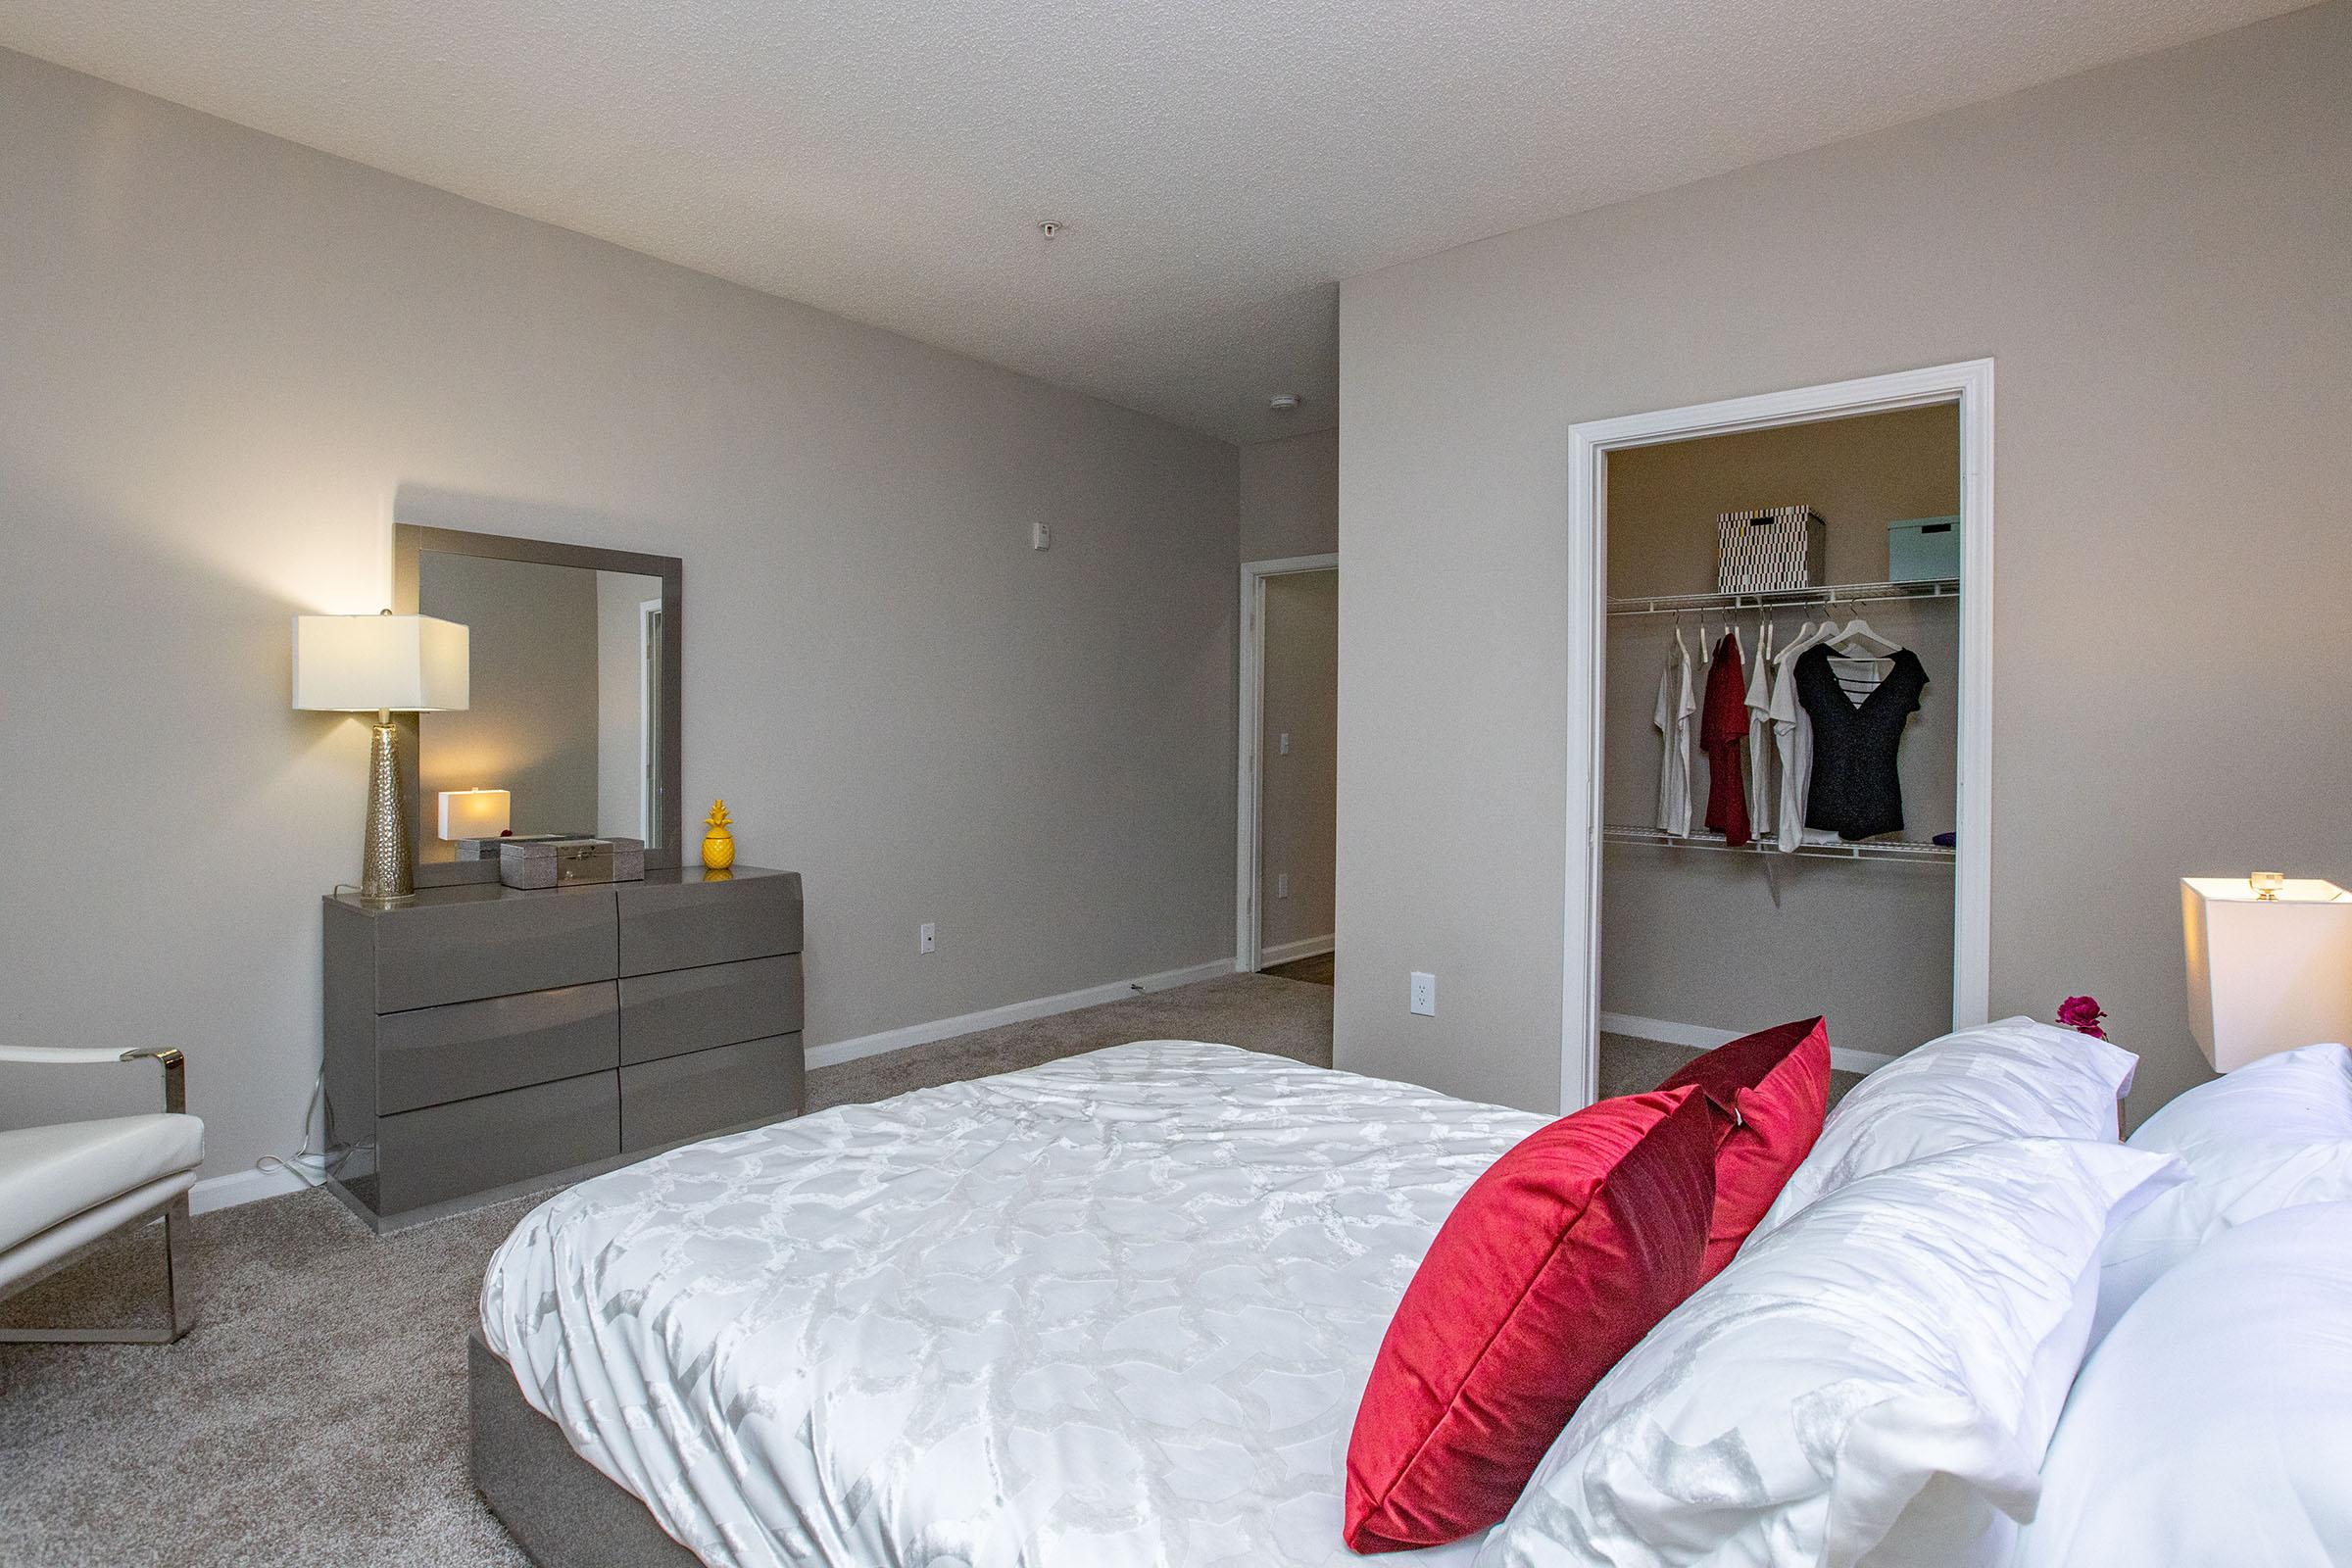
(386, 664)
(475, 813)
(2270, 965)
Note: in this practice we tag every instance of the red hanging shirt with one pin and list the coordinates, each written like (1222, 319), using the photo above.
(1723, 736)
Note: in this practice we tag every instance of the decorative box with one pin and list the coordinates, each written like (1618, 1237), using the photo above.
(1766, 552)
(556, 862)
(1923, 550)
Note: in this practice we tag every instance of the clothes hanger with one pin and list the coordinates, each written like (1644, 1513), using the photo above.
(1858, 633)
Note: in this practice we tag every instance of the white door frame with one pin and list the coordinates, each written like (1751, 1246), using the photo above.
(649, 719)
(1969, 384)
(1246, 912)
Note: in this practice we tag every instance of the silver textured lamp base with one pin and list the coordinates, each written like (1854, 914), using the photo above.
(387, 864)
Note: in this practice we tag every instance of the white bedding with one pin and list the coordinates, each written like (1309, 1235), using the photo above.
(1113, 1310)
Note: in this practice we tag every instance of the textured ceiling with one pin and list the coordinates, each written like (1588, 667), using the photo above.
(1220, 163)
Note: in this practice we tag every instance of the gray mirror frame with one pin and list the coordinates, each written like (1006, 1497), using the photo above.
(411, 540)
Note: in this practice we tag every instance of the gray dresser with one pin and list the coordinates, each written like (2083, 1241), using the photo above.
(482, 1039)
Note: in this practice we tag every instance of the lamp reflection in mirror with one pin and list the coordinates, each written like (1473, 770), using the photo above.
(2270, 965)
(475, 813)
(386, 664)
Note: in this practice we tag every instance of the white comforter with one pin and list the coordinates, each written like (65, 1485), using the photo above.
(1113, 1310)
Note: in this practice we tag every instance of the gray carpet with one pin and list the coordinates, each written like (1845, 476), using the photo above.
(318, 1413)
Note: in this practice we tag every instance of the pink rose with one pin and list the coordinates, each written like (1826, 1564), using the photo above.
(2082, 1013)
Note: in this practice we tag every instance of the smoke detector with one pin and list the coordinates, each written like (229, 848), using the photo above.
(1282, 402)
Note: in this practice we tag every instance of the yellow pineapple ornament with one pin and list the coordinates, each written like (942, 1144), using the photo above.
(718, 844)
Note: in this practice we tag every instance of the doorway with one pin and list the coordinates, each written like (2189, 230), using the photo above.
(1950, 623)
(1288, 750)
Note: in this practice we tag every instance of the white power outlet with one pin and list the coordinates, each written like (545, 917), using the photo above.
(927, 939)
(1041, 536)
(1286, 742)
(1425, 995)
(1282, 885)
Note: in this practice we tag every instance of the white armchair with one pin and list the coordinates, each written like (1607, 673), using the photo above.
(65, 1186)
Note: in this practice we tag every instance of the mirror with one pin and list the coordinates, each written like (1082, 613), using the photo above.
(576, 680)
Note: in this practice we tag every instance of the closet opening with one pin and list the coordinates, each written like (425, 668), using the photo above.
(1781, 612)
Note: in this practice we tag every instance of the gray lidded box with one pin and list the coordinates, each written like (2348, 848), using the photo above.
(1923, 549)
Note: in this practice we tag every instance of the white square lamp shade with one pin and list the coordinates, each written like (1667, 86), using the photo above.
(474, 814)
(370, 664)
(2266, 974)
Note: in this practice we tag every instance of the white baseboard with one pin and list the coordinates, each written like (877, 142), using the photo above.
(1292, 951)
(835, 1053)
(242, 1187)
(1698, 1037)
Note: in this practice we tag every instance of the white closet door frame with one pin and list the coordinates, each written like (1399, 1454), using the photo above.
(1968, 384)
(1253, 705)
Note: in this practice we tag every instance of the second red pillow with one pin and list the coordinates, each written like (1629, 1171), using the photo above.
(1770, 1092)
(1568, 1250)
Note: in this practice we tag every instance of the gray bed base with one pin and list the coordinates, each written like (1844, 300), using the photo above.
(560, 1508)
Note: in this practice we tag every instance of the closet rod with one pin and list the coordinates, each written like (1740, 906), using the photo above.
(1868, 849)
(1842, 593)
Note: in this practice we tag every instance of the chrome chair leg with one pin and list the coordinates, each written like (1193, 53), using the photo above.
(176, 1268)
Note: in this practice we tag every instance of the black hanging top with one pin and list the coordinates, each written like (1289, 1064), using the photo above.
(1857, 792)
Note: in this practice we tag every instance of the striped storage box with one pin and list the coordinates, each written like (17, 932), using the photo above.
(1761, 552)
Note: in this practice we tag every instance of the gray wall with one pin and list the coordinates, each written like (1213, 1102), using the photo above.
(223, 356)
(1299, 792)
(532, 729)
(1736, 941)
(1291, 497)
(2158, 254)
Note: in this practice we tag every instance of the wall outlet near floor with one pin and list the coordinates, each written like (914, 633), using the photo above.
(1041, 536)
(1282, 885)
(1425, 995)
(927, 939)
(1286, 742)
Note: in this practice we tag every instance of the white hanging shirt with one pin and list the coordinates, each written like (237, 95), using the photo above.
(1793, 740)
(1678, 703)
(1761, 797)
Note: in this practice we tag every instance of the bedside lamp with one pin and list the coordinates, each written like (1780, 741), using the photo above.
(475, 813)
(2270, 965)
(383, 663)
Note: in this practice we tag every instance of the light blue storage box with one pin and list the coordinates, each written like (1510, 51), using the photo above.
(1923, 549)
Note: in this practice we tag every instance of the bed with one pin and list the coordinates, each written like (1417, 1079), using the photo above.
(1117, 1310)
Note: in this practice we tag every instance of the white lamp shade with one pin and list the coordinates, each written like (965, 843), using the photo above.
(2266, 975)
(359, 664)
(474, 814)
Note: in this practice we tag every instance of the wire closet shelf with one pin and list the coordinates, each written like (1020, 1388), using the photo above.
(1909, 851)
(1838, 593)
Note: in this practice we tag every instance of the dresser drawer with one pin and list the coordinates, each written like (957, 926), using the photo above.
(688, 1096)
(718, 1004)
(429, 1157)
(500, 944)
(685, 925)
(432, 1056)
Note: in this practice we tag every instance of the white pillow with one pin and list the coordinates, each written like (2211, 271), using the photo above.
(1877, 1380)
(2011, 1079)
(2275, 1133)
(2214, 1424)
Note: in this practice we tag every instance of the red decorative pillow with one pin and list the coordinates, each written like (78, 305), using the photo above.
(1770, 1092)
(1567, 1251)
